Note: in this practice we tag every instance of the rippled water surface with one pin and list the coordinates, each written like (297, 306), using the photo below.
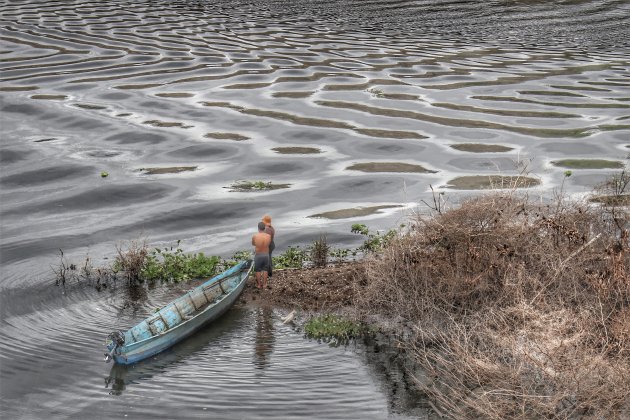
(355, 107)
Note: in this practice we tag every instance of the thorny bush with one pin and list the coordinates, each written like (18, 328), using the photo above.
(513, 308)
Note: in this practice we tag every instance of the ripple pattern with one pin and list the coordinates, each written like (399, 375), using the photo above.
(94, 93)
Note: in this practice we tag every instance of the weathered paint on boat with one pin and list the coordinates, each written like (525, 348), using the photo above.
(181, 317)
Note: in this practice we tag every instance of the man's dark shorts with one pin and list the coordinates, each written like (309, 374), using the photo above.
(261, 262)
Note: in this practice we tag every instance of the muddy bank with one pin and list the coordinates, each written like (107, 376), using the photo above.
(316, 289)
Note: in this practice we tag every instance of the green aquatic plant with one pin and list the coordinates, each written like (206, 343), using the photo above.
(175, 265)
(375, 241)
(104, 174)
(293, 257)
(334, 329)
(256, 186)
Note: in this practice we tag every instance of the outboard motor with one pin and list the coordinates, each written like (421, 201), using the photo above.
(114, 340)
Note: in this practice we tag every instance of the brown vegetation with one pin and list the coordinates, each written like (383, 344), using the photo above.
(512, 308)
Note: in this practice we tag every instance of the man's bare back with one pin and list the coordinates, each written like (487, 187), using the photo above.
(261, 242)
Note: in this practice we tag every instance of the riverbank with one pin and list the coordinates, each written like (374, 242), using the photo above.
(509, 307)
(314, 289)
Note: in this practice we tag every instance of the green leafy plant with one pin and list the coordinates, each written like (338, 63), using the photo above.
(293, 257)
(175, 265)
(374, 241)
(334, 329)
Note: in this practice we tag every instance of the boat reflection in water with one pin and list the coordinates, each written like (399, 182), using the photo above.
(198, 349)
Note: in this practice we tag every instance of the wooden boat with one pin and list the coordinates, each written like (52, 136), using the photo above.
(179, 318)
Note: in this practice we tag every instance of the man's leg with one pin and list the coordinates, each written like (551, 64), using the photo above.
(264, 276)
(258, 283)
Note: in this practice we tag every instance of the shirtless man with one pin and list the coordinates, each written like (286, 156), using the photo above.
(261, 242)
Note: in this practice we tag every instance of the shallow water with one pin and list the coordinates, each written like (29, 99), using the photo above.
(288, 92)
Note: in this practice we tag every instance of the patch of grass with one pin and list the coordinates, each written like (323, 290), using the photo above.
(175, 265)
(293, 257)
(485, 182)
(334, 329)
(481, 148)
(588, 164)
(256, 186)
(389, 167)
(375, 241)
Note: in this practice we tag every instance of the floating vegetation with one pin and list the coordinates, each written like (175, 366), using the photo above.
(295, 95)
(50, 97)
(334, 329)
(104, 174)
(90, 106)
(17, 88)
(256, 186)
(166, 124)
(175, 95)
(389, 167)
(481, 148)
(484, 182)
(296, 150)
(353, 212)
(588, 164)
(168, 170)
(226, 136)
(166, 264)
(612, 200)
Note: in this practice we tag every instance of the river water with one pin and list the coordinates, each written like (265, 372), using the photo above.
(356, 107)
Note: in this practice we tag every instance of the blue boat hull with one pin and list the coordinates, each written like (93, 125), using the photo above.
(181, 317)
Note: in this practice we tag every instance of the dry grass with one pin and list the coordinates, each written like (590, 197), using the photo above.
(515, 309)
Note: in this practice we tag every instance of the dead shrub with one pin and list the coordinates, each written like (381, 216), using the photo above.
(518, 308)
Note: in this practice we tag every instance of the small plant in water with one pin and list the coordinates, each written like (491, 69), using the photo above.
(256, 186)
(293, 257)
(334, 329)
(175, 265)
(374, 241)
